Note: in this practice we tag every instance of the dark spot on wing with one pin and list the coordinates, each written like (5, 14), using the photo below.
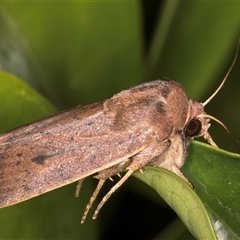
(120, 142)
(41, 158)
(89, 123)
(26, 188)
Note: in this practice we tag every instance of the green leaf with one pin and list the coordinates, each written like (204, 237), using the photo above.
(215, 175)
(190, 54)
(181, 198)
(88, 49)
(215, 201)
(20, 104)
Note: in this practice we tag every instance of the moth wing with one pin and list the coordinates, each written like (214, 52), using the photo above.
(61, 149)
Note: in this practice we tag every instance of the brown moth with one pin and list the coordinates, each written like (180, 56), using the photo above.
(150, 124)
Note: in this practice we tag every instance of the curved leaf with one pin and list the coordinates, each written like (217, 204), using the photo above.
(181, 198)
(215, 176)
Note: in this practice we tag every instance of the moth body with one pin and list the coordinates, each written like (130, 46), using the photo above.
(150, 124)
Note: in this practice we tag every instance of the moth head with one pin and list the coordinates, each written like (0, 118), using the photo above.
(197, 123)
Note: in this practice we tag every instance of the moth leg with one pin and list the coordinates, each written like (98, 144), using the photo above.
(92, 199)
(103, 176)
(114, 170)
(78, 188)
(112, 190)
(138, 161)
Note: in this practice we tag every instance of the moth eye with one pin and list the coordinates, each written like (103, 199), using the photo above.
(193, 128)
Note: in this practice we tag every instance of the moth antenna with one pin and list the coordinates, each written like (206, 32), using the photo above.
(92, 199)
(226, 76)
(208, 137)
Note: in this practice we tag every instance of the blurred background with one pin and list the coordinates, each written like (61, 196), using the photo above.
(76, 53)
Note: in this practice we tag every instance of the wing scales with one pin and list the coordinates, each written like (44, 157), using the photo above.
(62, 149)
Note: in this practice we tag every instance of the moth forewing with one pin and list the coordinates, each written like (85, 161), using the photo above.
(61, 149)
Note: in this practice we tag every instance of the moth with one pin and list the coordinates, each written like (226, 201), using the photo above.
(150, 124)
